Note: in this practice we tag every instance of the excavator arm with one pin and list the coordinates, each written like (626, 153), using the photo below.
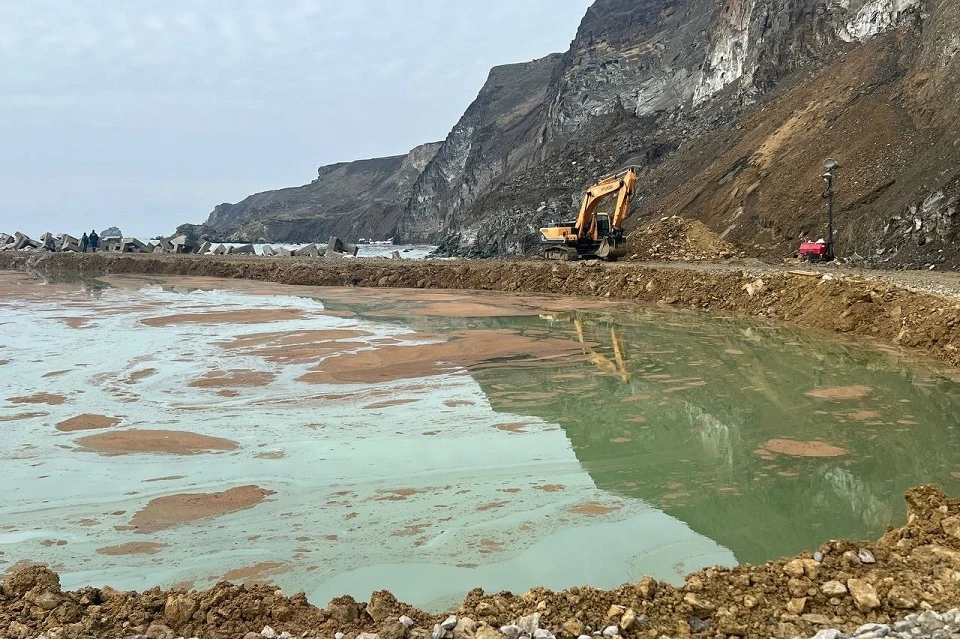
(620, 183)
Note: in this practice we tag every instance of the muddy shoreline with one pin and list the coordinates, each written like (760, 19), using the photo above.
(863, 303)
(843, 585)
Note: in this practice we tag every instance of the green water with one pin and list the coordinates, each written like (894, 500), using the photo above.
(680, 422)
(653, 442)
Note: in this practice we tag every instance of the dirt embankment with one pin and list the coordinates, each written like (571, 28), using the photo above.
(843, 585)
(856, 303)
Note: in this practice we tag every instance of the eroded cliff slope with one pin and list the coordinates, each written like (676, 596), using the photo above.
(362, 199)
(727, 107)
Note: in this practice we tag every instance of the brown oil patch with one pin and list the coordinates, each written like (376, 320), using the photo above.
(87, 421)
(410, 531)
(638, 419)
(550, 488)
(620, 440)
(39, 398)
(164, 513)
(246, 316)
(233, 378)
(493, 505)
(257, 572)
(594, 508)
(457, 403)
(228, 392)
(170, 478)
(399, 494)
(955, 474)
(510, 490)
(841, 392)
(465, 349)
(55, 374)
(172, 442)
(296, 346)
(863, 415)
(388, 404)
(142, 374)
(470, 309)
(19, 416)
(273, 454)
(132, 548)
(512, 427)
(796, 448)
(75, 322)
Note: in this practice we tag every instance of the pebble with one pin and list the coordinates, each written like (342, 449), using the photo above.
(866, 557)
(543, 633)
(926, 624)
(611, 631)
(818, 556)
(339, 635)
(510, 632)
(529, 624)
(268, 633)
(407, 621)
(449, 623)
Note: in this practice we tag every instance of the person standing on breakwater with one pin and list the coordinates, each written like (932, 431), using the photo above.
(84, 241)
(94, 240)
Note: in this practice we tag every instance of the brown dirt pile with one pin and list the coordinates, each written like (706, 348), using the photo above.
(916, 566)
(39, 398)
(406, 361)
(163, 513)
(233, 378)
(675, 239)
(87, 421)
(251, 316)
(170, 442)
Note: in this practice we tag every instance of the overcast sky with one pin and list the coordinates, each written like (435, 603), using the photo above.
(146, 113)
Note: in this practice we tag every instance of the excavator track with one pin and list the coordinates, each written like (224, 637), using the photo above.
(559, 253)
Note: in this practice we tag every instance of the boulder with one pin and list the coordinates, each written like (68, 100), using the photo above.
(310, 250)
(132, 245)
(268, 251)
(220, 250)
(204, 248)
(246, 249)
(283, 251)
(864, 595)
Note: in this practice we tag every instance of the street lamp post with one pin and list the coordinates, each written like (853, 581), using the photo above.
(830, 165)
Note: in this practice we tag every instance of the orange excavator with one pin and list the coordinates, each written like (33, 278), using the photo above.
(594, 234)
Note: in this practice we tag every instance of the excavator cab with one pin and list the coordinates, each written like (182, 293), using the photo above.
(594, 234)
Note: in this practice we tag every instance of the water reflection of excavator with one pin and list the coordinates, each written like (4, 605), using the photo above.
(616, 366)
(593, 234)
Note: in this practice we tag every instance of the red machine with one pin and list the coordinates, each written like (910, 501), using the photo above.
(815, 252)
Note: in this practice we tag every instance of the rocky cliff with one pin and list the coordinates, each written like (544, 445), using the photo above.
(362, 199)
(727, 107)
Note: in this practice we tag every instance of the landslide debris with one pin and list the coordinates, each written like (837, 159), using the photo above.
(842, 585)
(675, 239)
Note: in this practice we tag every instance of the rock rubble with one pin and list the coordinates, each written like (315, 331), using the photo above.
(916, 571)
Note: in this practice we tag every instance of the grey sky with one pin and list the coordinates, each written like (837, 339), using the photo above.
(145, 114)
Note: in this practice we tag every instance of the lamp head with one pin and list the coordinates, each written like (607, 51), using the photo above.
(830, 164)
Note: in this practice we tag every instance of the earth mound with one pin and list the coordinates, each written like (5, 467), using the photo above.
(676, 239)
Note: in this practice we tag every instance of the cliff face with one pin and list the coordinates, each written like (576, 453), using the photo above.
(362, 199)
(501, 132)
(727, 107)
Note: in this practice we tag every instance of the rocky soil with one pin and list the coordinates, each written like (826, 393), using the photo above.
(925, 317)
(840, 587)
(675, 239)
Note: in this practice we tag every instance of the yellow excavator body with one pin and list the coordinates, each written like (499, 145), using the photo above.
(593, 234)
